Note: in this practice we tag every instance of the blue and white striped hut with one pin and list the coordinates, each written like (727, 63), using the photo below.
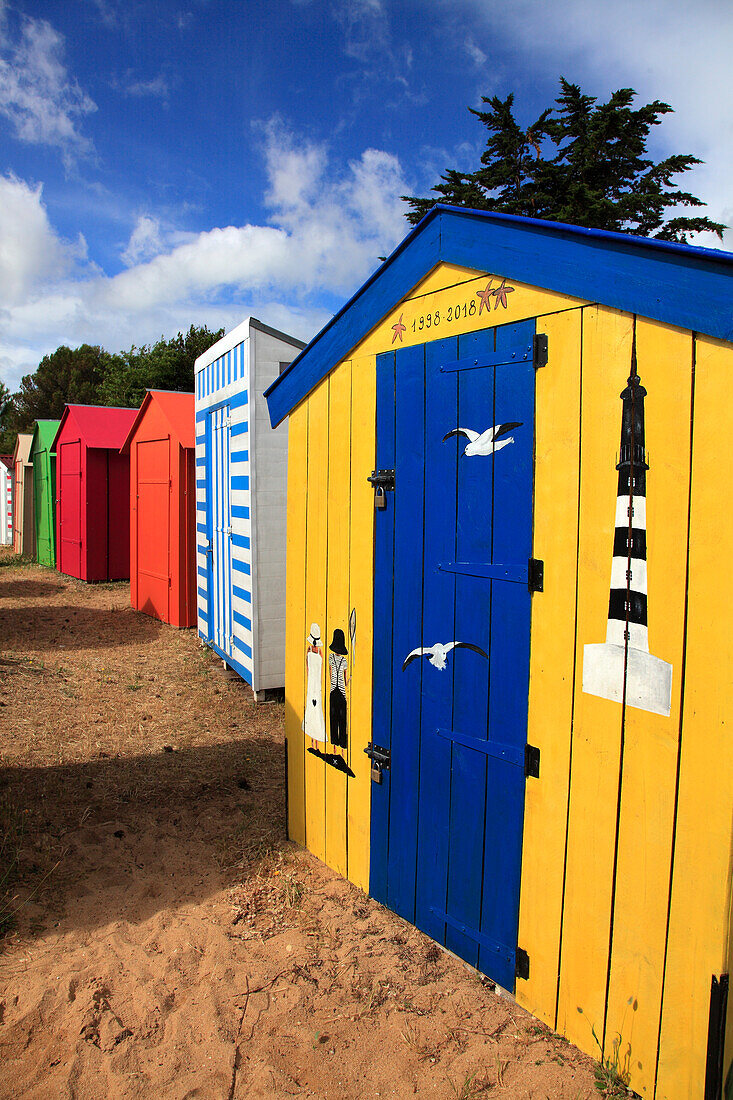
(241, 467)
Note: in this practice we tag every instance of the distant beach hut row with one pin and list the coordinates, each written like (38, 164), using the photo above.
(185, 496)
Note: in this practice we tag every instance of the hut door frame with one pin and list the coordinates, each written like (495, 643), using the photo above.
(452, 564)
(68, 498)
(219, 523)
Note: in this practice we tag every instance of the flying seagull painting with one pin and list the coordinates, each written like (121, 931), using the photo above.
(485, 443)
(437, 653)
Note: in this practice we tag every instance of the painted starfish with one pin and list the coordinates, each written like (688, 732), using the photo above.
(484, 296)
(500, 294)
(399, 328)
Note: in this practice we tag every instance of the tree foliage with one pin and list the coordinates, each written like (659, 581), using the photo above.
(579, 162)
(89, 375)
(167, 365)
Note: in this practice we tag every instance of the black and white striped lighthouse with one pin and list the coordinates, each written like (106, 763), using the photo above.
(627, 612)
(623, 668)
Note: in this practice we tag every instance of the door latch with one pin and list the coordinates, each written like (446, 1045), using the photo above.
(383, 481)
(381, 758)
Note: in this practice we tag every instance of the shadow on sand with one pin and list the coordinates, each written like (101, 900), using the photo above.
(123, 838)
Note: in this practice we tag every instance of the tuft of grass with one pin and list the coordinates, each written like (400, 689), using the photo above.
(15, 560)
(611, 1072)
(472, 1087)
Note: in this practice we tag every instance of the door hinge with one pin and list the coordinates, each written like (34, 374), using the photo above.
(531, 761)
(521, 964)
(716, 1037)
(382, 481)
(539, 342)
(380, 757)
(536, 575)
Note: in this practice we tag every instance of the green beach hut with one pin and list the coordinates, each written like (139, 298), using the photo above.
(44, 487)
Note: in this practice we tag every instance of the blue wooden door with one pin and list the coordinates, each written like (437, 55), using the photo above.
(451, 566)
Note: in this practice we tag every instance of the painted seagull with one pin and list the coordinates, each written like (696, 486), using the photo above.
(485, 443)
(437, 653)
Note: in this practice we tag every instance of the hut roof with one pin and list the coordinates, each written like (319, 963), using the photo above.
(231, 339)
(99, 426)
(177, 408)
(674, 283)
(22, 452)
(44, 434)
(7, 461)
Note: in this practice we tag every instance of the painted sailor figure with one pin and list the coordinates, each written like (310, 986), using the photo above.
(337, 662)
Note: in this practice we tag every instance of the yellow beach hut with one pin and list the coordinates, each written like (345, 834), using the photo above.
(509, 669)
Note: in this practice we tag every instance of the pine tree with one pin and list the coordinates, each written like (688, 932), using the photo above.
(580, 162)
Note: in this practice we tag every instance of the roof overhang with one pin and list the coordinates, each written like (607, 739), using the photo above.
(674, 283)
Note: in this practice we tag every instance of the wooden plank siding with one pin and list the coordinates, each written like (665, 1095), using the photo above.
(645, 824)
(295, 624)
(552, 658)
(697, 944)
(337, 588)
(626, 879)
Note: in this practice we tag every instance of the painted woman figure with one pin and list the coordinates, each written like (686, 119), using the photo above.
(339, 680)
(314, 724)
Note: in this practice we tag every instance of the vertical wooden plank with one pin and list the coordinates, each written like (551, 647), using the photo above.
(383, 602)
(470, 671)
(698, 922)
(407, 629)
(552, 659)
(295, 624)
(361, 581)
(339, 484)
(649, 772)
(509, 652)
(441, 462)
(594, 778)
(316, 564)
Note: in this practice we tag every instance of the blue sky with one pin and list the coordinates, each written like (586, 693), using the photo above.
(168, 162)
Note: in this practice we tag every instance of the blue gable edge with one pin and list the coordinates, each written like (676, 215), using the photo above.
(677, 284)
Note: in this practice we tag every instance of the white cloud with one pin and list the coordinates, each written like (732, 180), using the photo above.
(158, 88)
(145, 241)
(30, 251)
(476, 54)
(327, 228)
(37, 95)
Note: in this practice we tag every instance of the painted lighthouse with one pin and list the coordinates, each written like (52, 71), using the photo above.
(622, 668)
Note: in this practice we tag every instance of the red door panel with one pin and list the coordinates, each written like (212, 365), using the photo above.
(153, 528)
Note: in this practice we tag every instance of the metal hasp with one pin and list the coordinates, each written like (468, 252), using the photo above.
(536, 575)
(539, 348)
(380, 757)
(531, 762)
(382, 481)
(521, 964)
(716, 1037)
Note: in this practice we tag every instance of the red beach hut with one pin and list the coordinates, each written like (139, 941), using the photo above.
(93, 493)
(161, 445)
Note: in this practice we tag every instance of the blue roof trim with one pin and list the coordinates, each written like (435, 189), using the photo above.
(675, 283)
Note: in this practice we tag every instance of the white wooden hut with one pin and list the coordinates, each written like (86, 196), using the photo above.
(241, 467)
(6, 500)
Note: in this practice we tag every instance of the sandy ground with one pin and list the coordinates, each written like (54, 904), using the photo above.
(165, 940)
